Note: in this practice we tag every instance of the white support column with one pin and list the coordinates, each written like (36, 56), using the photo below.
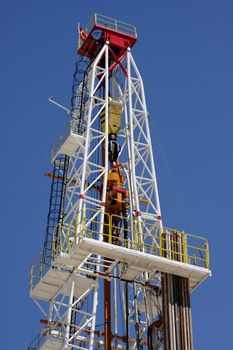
(149, 138)
(84, 170)
(94, 311)
(131, 138)
(69, 312)
(141, 162)
(105, 176)
(133, 184)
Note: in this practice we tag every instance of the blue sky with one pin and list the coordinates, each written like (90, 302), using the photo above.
(185, 56)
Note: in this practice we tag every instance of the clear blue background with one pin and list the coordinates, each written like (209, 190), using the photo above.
(185, 55)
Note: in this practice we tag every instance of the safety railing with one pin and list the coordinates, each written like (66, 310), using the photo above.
(38, 340)
(146, 237)
(51, 330)
(110, 23)
(70, 127)
(150, 238)
(38, 270)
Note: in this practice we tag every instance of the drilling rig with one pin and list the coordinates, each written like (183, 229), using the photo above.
(110, 275)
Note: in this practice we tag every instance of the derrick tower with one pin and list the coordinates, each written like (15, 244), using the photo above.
(110, 276)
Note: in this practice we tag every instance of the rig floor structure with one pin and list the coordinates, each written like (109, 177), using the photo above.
(110, 276)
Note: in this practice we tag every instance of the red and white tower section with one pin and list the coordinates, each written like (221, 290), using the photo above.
(110, 276)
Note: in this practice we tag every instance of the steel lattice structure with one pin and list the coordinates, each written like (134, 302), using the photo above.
(102, 288)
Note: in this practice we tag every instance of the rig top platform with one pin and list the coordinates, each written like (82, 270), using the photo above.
(100, 28)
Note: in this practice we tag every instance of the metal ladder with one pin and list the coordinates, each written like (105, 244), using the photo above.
(56, 205)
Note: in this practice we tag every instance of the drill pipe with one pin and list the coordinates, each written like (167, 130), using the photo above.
(177, 319)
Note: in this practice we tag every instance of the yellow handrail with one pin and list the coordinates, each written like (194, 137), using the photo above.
(165, 242)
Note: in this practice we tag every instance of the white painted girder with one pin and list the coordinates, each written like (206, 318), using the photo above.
(54, 282)
(142, 262)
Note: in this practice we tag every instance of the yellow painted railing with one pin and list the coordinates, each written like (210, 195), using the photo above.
(150, 238)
